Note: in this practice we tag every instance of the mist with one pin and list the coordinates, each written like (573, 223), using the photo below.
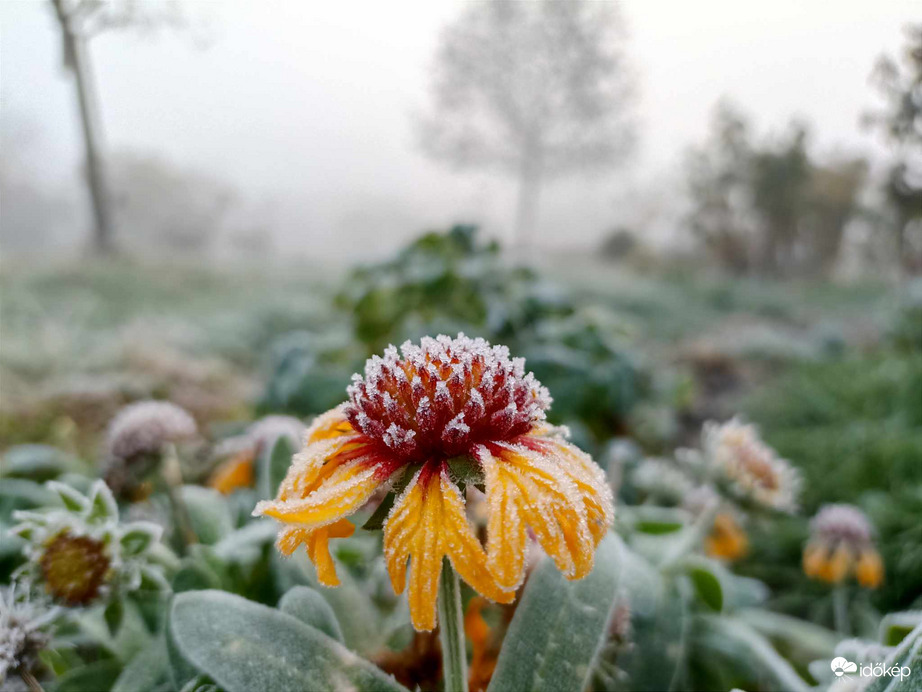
(306, 112)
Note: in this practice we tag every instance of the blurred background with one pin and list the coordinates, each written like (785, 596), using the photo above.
(675, 211)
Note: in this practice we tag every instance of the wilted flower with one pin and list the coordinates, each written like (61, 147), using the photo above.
(842, 543)
(22, 633)
(751, 469)
(662, 479)
(136, 439)
(242, 450)
(443, 400)
(81, 554)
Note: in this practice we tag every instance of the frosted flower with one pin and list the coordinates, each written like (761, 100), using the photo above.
(412, 413)
(242, 450)
(751, 469)
(842, 543)
(136, 438)
(662, 479)
(22, 633)
(727, 540)
(80, 554)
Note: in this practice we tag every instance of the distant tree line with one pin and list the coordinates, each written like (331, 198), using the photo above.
(770, 207)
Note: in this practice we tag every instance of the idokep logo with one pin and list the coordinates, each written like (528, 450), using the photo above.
(841, 666)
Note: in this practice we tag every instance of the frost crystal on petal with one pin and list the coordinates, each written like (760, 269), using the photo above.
(445, 395)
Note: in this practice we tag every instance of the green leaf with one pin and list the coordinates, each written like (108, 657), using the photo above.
(274, 463)
(895, 627)
(114, 613)
(94, 677)
(707, 583)
(245, 646)
(907, 655)
(312, 609)
(36, 462)
(246, 544)
(656, 520)
(145, 670)
(72, 499)
(208, 513)
(803, 641)
(139, 536)
(181, 671)
(560, 626)
(102, 503)
(465, 470)
(379, 516)
(717, 637)
(19, 493)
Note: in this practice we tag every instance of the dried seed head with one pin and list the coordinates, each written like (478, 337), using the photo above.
(143, 428)
(74, 568)
(444, 396)
(21, 634)
(841, 522)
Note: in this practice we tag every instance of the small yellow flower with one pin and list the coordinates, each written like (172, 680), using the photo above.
(233, 474)
(727, 539)
(443, 399)
(841, 544)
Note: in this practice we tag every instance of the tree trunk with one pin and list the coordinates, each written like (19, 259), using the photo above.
(77, 58)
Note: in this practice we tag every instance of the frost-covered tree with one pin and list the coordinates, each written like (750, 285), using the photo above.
(536, 89)
(80, 21)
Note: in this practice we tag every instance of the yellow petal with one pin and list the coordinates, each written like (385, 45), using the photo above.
(870, 569)
(727, 540)
(335, 473)
(317, 543)
(427, 524)
(547, 488)
(236, 472)
(835, 568)
(329, 425)
(814, 559)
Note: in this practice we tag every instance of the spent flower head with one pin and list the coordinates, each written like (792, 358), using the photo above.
(137, 437)
(23, 632)
(841, 544)
(412, 415)
(81, 554)
(751, 470)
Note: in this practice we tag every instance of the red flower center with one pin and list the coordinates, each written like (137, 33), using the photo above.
(445, 396)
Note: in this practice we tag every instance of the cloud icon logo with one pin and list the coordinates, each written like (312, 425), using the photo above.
(841, 666)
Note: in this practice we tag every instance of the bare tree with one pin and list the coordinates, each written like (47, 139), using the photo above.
(534, 89)
(79, 21)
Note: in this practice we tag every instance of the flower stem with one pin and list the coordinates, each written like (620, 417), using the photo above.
(840, 610)
(31, 682)
(451, 631)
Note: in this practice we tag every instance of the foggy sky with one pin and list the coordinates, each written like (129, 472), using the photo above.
(307, 107)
